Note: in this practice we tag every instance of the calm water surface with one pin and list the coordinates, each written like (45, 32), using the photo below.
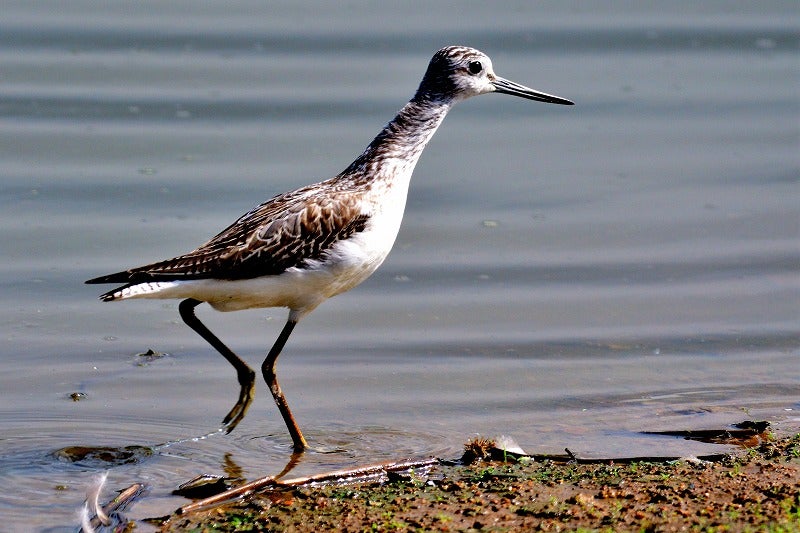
(566, 276)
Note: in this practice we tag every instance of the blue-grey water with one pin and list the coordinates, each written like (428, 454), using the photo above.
(568, 276)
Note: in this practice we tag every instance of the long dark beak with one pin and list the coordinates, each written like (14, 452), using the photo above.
(504, 86)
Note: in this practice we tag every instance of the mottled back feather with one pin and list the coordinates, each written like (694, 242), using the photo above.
(286, 231)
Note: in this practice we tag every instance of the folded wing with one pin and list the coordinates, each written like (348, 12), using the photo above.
(284, 232)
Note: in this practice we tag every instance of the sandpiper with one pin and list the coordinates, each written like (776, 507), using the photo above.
(300, 248)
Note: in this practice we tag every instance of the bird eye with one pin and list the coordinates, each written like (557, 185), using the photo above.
(474, 67)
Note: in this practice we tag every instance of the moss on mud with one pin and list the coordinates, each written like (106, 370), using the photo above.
(755, 490)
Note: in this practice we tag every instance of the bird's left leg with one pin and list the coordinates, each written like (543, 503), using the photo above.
(245, 374)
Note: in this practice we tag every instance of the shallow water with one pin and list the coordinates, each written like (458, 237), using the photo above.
(567, 276)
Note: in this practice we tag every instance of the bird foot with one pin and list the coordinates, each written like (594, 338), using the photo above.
(246, 395)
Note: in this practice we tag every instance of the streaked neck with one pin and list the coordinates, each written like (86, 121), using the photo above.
(394, 153)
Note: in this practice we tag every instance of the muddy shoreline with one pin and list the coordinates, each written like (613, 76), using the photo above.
(755, 489)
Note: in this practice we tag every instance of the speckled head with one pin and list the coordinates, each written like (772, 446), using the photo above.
(459, 72)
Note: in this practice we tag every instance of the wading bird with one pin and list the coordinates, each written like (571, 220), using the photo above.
(300, 248)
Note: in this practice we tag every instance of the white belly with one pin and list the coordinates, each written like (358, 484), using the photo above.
(346, 264)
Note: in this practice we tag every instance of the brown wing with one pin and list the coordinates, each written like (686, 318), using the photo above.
(283, 232)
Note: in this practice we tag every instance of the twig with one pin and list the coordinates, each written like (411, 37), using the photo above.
(350, 475)
(571, 458)
(112, 508)
(231, 494)
(361, 473)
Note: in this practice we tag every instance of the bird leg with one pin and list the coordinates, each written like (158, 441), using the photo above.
(245, 374)
(268, 369)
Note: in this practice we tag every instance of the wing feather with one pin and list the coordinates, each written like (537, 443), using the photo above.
(284, 232)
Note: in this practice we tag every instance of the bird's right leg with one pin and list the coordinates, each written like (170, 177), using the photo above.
(245, 374)
(268, 370)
